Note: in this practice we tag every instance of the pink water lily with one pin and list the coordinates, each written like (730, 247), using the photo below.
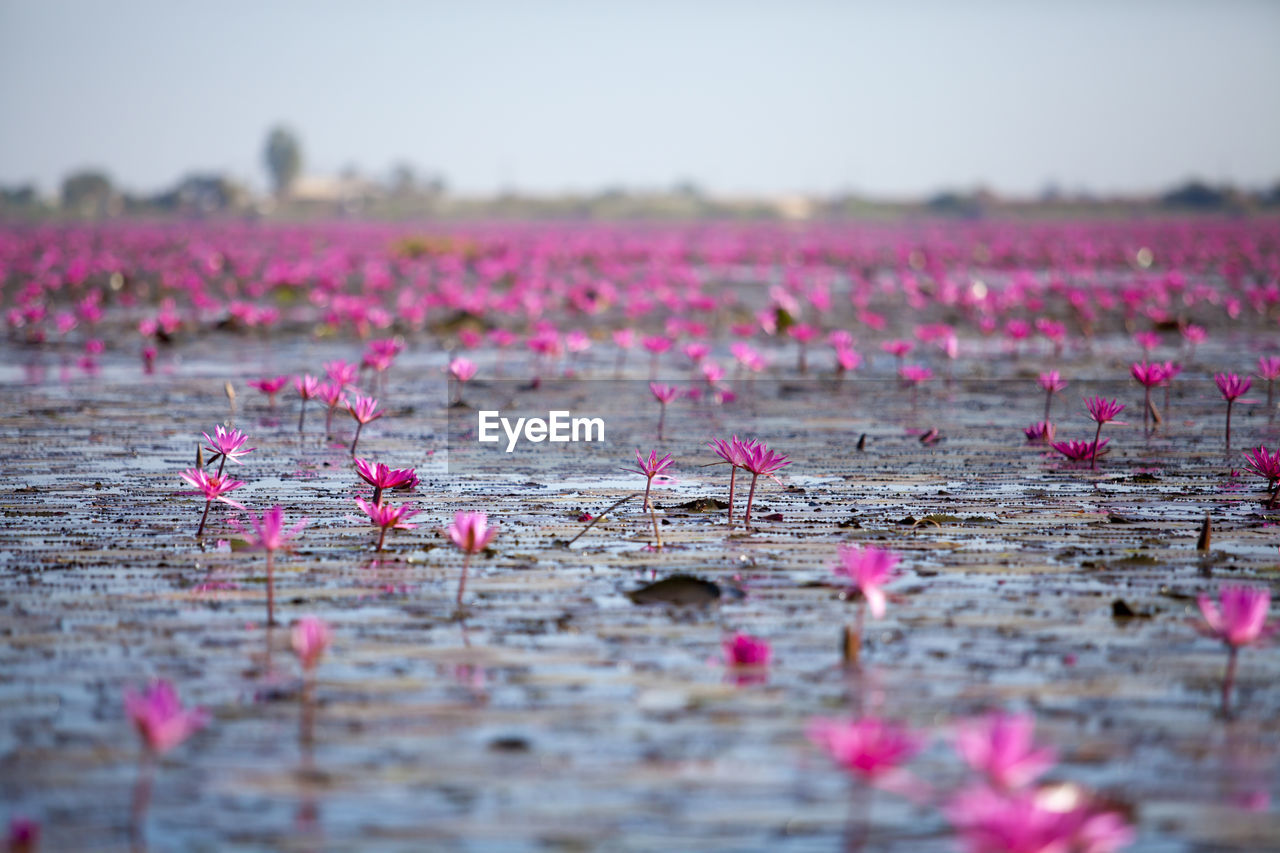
(1001, 747)
(1238, 619)
(732, 451)
(213, 488)
(270, 534)
(1266, 464)
(1232, 387)
(387, 517)
(364, 410)
(462, 370)
(1041, 432)
(868, 569)
(869, 747)
(1148, 376)
(471, 534)
(1102, 411)
(308, 387)
(1052, 383)
(1080, 451)
(341, 373)
(383, 477)
(309, 638)
(1269, 369)
(226, 443)
(650, 468)
(270, 386)
(757, 458)
(664, 394)
(1051, 819)
(159, 717)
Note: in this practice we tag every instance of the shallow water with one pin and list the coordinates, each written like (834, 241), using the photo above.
(558, 715)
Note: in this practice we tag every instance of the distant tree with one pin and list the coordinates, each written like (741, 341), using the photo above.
(404, 180)
(284, 158)
(19, 196)
(1195, 194)
(87, 191)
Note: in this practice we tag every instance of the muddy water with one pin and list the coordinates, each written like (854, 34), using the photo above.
(556, 714)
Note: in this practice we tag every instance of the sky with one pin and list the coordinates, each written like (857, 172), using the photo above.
(894, 99)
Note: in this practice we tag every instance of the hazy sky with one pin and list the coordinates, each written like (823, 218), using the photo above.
(739, 96)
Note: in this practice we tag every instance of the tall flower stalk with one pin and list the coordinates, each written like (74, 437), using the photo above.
(733, 452)
(364, 410)
(1101, 411)
(867, 569)
(212, 488)
(269, 534)
(760, 461)
(1232, 387)
(471, 533)
(1052, 383)
(387, 517)
(650, 468)
(308, 386)
(1238, 619)
(664, 394)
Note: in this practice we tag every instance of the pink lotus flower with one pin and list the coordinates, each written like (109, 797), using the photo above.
(1052, 384)
(341, 373)
(868, 569)
(269, 534)
(1239, 619)
(387, 517)
(650, 468)
(462, 369)
(760, 461)
(1080, 451)
(745, 650)
(1000, 747)
(1040, 432)
(382, 477)
(1233, 387)
(270, 386)
(471, 533)
(732, 451)
(308, 386)
(1269, 369)
(1148, 376)
(664, 394)
(309, 638)
(364, 410)
(914, 373)
(24, 835)
(330, 393)
(1101, 411)
(847, 359)
(212, 488)
(226, 444)
(160, 718)
(1147, 340)
(897, 348)
(869, 747)
(1053, 819)
(1266, 465)
(747, 659)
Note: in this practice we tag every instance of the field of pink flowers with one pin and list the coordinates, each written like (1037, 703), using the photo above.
(924, 537)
